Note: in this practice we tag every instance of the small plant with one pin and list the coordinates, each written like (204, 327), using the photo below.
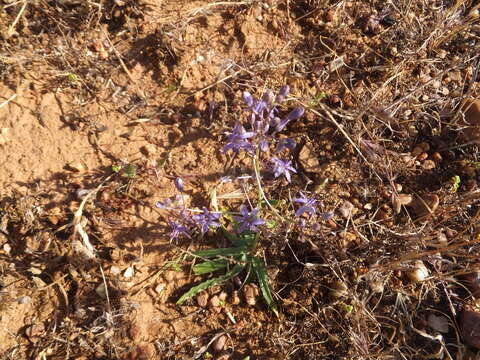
(257, 137)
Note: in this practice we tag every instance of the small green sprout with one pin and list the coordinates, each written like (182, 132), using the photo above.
(455, 183)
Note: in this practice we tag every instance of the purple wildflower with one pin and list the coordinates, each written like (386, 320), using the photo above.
(283, 167)
(307, 205)
(177, 229)
(179, 184)
(171, 203)
(282, 94)
(237, 139)
(206, 219)
(248, 220)
(292, 115)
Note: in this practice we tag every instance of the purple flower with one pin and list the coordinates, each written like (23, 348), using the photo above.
(248, 220)
(171, 203)
(237, 140)
(206, 219)
(177, 229)
(292, 115)
(283, 167)
(179, 184)
(282, 94)
(307, 205)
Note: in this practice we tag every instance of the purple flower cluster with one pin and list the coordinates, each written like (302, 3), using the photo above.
(248, 220)
(184, 223)
(264, 122)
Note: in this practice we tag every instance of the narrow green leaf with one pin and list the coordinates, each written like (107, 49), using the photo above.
(262, 276)
(210, 266)
(233, 251)
(206, 284)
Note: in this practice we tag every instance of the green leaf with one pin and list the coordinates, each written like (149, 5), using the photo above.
(245, 239)
(210, 266)
(271, 224)
(206, 284)
(262, 276)
(116, 168)
(232, 251)
(456, 183)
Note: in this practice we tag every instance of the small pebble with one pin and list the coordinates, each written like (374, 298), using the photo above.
(437, 157)
(428, 165)
(129, 272)
(417, 150)
(101, 290)
(214, 304)
(159, 288)
(346, 209)
(250, 291)
(7, 248)
(235, 298)
(422, 156)
(115, 270)
(202, 299)
(419, 272)
(219, 343)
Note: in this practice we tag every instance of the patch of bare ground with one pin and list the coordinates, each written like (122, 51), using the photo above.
(103, 104)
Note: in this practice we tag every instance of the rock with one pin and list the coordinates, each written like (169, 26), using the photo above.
(129, 272)
(428, 165)
(101, 290)
(219, 343)
(425, 206)
(202, 299)
(7, 248)
(346, 209)
(309, 159)
(115, 270)
(438, 323)
(471, 112)
(437, 157)
(423, 156)
(235, 298)
(470, 327)
(223, 296)
(419, 272)
(251, 291)
(160, 288)
(214, 304)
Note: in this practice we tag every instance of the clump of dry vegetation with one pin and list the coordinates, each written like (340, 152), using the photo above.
(351, 205)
